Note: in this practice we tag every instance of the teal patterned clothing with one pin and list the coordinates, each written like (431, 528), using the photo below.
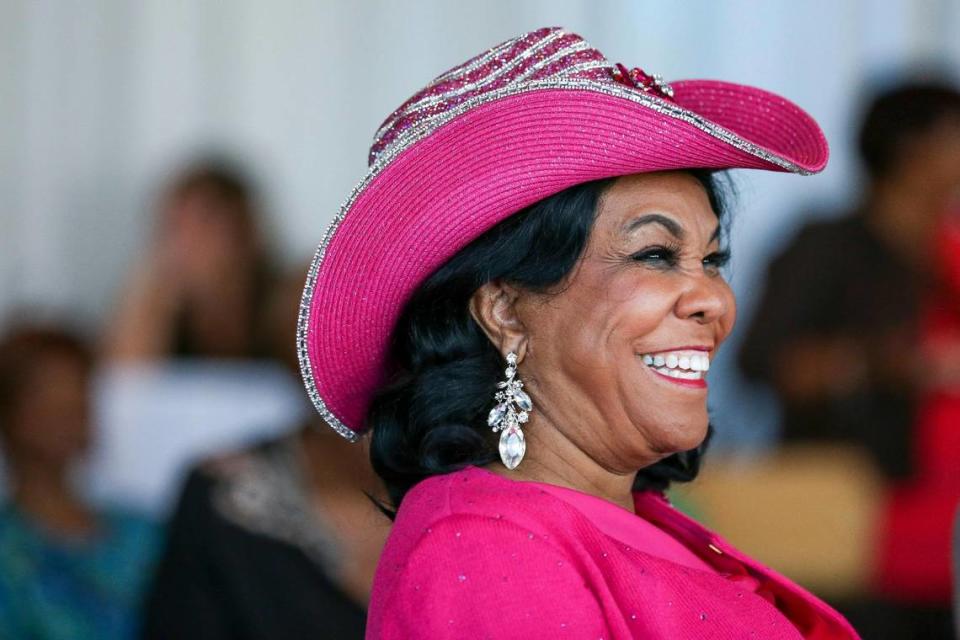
(54, 588)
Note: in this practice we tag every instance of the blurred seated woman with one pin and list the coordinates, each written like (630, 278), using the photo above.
(67, 570)
(200, 287)
(290, 513)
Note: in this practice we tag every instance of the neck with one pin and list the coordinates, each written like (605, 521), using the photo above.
(44, 494)
(901, 220)
(557, 460)
(332, 463)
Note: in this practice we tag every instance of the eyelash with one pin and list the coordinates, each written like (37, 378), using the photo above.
(668, 256)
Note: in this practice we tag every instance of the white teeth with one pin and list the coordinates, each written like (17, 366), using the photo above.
(681, 364)
(676, 373)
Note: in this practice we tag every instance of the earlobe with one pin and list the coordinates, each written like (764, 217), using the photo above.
(493, 307)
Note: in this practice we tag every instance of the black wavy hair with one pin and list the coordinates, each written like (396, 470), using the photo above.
(430, 418)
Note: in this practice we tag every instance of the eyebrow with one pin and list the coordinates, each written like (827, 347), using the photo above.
(672, 226)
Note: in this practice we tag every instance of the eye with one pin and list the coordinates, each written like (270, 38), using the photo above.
(658, 256)
(714, 262)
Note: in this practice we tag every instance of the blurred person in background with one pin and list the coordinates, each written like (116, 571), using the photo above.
(858, 332)
(200, 287)
(277, 540)
(67, 570)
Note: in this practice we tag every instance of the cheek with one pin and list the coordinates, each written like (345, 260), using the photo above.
(599, 353)
(647, 302)
(572, 325)
(598, 324)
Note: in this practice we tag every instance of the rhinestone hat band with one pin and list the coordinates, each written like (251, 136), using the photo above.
(539, 55)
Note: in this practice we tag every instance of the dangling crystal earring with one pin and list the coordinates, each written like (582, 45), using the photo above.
(507, 418)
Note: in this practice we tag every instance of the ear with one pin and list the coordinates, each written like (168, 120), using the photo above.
(494, 307)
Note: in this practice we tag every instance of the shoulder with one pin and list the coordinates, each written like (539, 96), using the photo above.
(132, 545)
(469, 552)
(226, 464)
(130, 523)
(478, 495)
(223, 471)
(7, 515)
(131, 535)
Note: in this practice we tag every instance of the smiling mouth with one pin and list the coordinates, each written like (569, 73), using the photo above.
(684, 364)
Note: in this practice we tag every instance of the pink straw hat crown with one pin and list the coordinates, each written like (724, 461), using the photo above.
(524, 120)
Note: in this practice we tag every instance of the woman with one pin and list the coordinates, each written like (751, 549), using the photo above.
(201, 288)
(67, 570)
(536, 250)
(284, 512)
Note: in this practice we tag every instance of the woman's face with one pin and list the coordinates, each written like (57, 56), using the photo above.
(207, 236)
(647, 292)
(50, 423)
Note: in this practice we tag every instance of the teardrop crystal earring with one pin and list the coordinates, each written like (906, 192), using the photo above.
(512, 410)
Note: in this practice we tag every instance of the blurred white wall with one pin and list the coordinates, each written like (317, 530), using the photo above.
(99, 99)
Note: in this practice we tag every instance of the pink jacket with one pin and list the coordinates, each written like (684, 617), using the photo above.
(475, 555)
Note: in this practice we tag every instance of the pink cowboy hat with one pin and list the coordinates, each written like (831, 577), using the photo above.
(520, 122)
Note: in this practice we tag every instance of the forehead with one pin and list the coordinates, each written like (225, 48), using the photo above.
(677, 195)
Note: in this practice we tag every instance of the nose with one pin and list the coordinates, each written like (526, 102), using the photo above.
(706, 299)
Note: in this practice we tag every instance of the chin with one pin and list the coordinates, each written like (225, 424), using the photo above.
(696, 441)
(681, 438)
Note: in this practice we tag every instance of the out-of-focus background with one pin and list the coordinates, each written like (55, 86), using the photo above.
(167, 168)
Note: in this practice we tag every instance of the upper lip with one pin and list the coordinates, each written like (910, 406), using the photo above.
(708, 349)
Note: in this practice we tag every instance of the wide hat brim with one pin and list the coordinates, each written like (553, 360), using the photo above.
(449, 181)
